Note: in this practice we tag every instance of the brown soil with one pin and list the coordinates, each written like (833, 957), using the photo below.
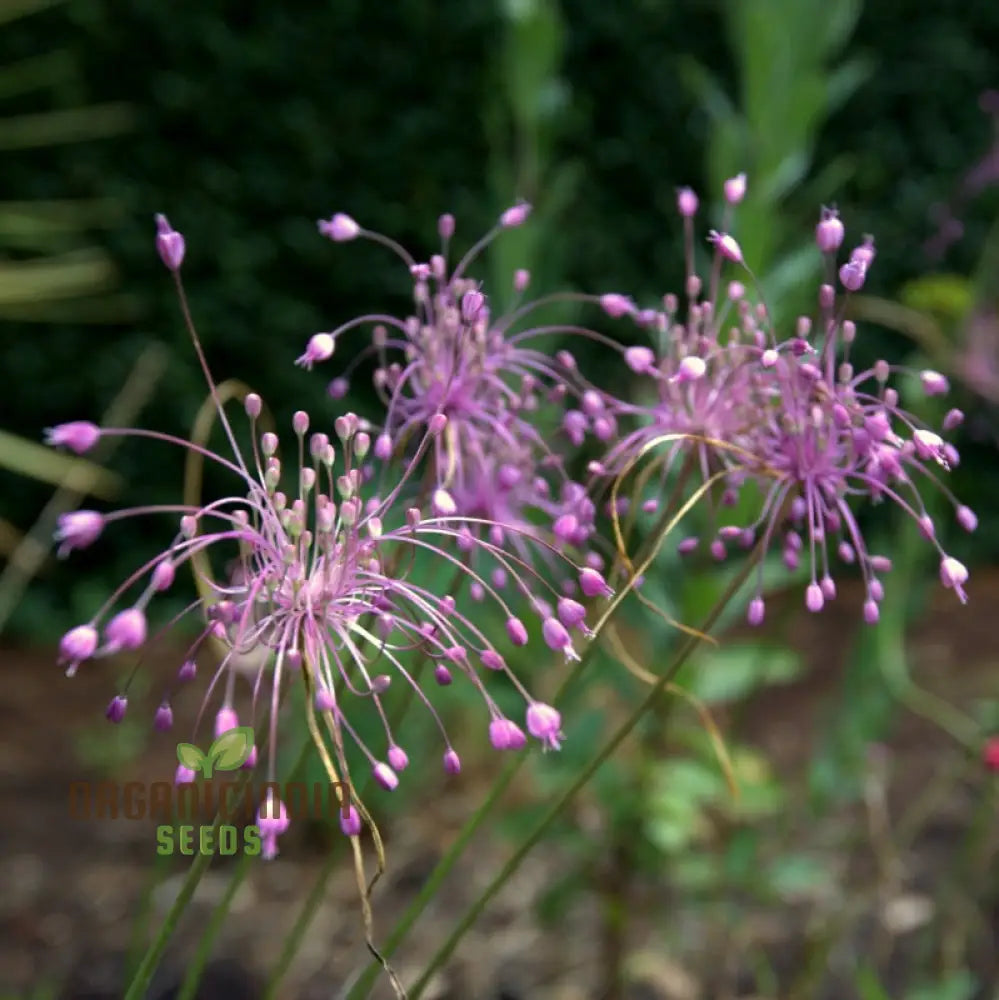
(71, 889)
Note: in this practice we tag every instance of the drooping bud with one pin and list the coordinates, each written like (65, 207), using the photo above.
(506, 735)
(544, 723)
(127, 630)
(319, 348)
(77, 530)
(78, 436)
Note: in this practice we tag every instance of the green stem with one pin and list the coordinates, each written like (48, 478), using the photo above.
(513, 863)
(645, 555)
(311, 905)
(139, 986)
(192, 977)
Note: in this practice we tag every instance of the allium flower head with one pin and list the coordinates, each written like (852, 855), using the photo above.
(485, 373)
(318, 590)
(790, 414)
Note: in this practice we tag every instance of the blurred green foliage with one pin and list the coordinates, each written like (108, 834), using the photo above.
(253, 120)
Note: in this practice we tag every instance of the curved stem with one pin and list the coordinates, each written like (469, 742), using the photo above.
(582, 778)
(644, 558)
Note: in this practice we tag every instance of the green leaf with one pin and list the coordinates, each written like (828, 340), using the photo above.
(232, 749)
(190, 756)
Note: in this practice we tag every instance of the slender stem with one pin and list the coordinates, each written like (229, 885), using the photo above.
(196, 968)
(139, 986)
(645, 556)
(513, 863)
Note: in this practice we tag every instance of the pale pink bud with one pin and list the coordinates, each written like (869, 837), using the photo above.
(78, 644)
(735, 189)
(506, 735)
(521, 279)
(350, 821)
(727, 246)
(544, 723)
(829, 232)
(78, 435)
(385, 776)
(445, 226)
(443, 504)
(814, 599)
(319, 348)
(516, 631)
(953, 574)
(340, 228)
(686, 202)
(616, 305)
(966, 518)
(452, 762)
(934, 384)
(169, 244)
(127, 630)
(755, 611)
(163, 575)
(593, 584)
(515, 216)
(639, 359)
(77, 530)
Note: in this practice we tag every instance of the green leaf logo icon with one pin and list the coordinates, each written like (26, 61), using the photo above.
(190, 756)
(230, 751)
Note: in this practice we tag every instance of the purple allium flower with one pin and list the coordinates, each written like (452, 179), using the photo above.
(316, 585)
(787, 415)
(453, 358)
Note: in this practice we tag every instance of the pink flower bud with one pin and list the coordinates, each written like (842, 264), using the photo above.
(340, 228)
(639, 359)
(515, 216)
(78, 644)
(616, 305)
(116, 709)
(952, 575)
(829, 232)
(445, 226)
(127, 630)
(814, 599)
(350, 821)
(934, 384)
(735, 189)
(225, 719)
(452, 762)
(726, 246)
(593, 584)
(852, 276)
(319, 348)
(966, 518)
(506, 735)
(521, 279)
(78, 435)
(77, 530)
(163, 719)
(686, 202)
(169, 244)
(398, 760)
(385, 776)
(516, 631)
(491, 660)
(755, 611)
(544, 723)
(163, 575)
